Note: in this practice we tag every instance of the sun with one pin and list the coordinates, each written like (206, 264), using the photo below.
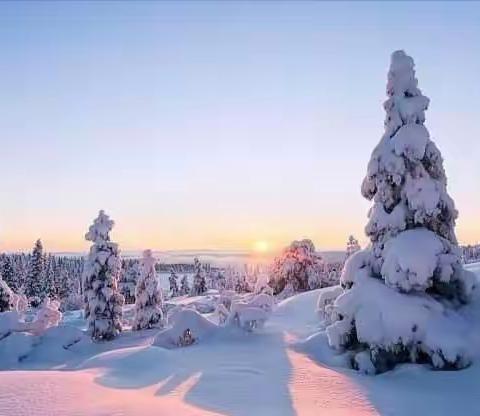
(261, 246)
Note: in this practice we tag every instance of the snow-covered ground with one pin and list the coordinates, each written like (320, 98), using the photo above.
(286, 368)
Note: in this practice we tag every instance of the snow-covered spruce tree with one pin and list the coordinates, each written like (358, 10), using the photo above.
(129, 276)
(199, 286)
(5, 296)
(148, 296)
(36, 286)
(184, 285)
(220, 281)
(49, 276)
(402, 294)
(297, 269)
(352, 246)
(172, 279)
(103, 302)
(8, 273)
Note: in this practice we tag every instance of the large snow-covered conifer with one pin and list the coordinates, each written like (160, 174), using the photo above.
(148, 296)
(402, 294)
(103, 302)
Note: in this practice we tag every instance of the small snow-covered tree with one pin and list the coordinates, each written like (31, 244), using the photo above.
(36, 285)
(128, 279)
(103, 302)
(241, 284)
(297, 269)
(172, 279)
(148, 296)
(352, 246)
(49, 274)
(199, 286)
(184, 285)
(402, 293)
(220, 281)
(5, 296)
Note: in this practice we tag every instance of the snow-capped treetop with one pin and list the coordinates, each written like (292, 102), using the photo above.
(405, 176)
(100, 229)
(405, 104)
(38, 248)
(148, 262)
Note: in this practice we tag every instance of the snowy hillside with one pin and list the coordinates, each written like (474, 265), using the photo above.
(286, 368)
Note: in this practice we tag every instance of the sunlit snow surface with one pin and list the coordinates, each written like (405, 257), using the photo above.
(285, 369)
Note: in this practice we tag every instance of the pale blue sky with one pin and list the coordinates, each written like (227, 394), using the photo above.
(219, 124)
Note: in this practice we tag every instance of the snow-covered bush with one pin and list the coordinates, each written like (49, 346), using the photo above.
(103, 302)
(403, 294)
(199, 286)
(148, 295)
(251, 314)
(325, 302)
(47, 316)
(298, 268)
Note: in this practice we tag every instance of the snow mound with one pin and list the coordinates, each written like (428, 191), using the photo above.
(187, 327)
(9, 321)
(14, 348)
(251, 314)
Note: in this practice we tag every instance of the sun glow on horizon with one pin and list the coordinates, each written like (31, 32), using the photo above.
(261, 246)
